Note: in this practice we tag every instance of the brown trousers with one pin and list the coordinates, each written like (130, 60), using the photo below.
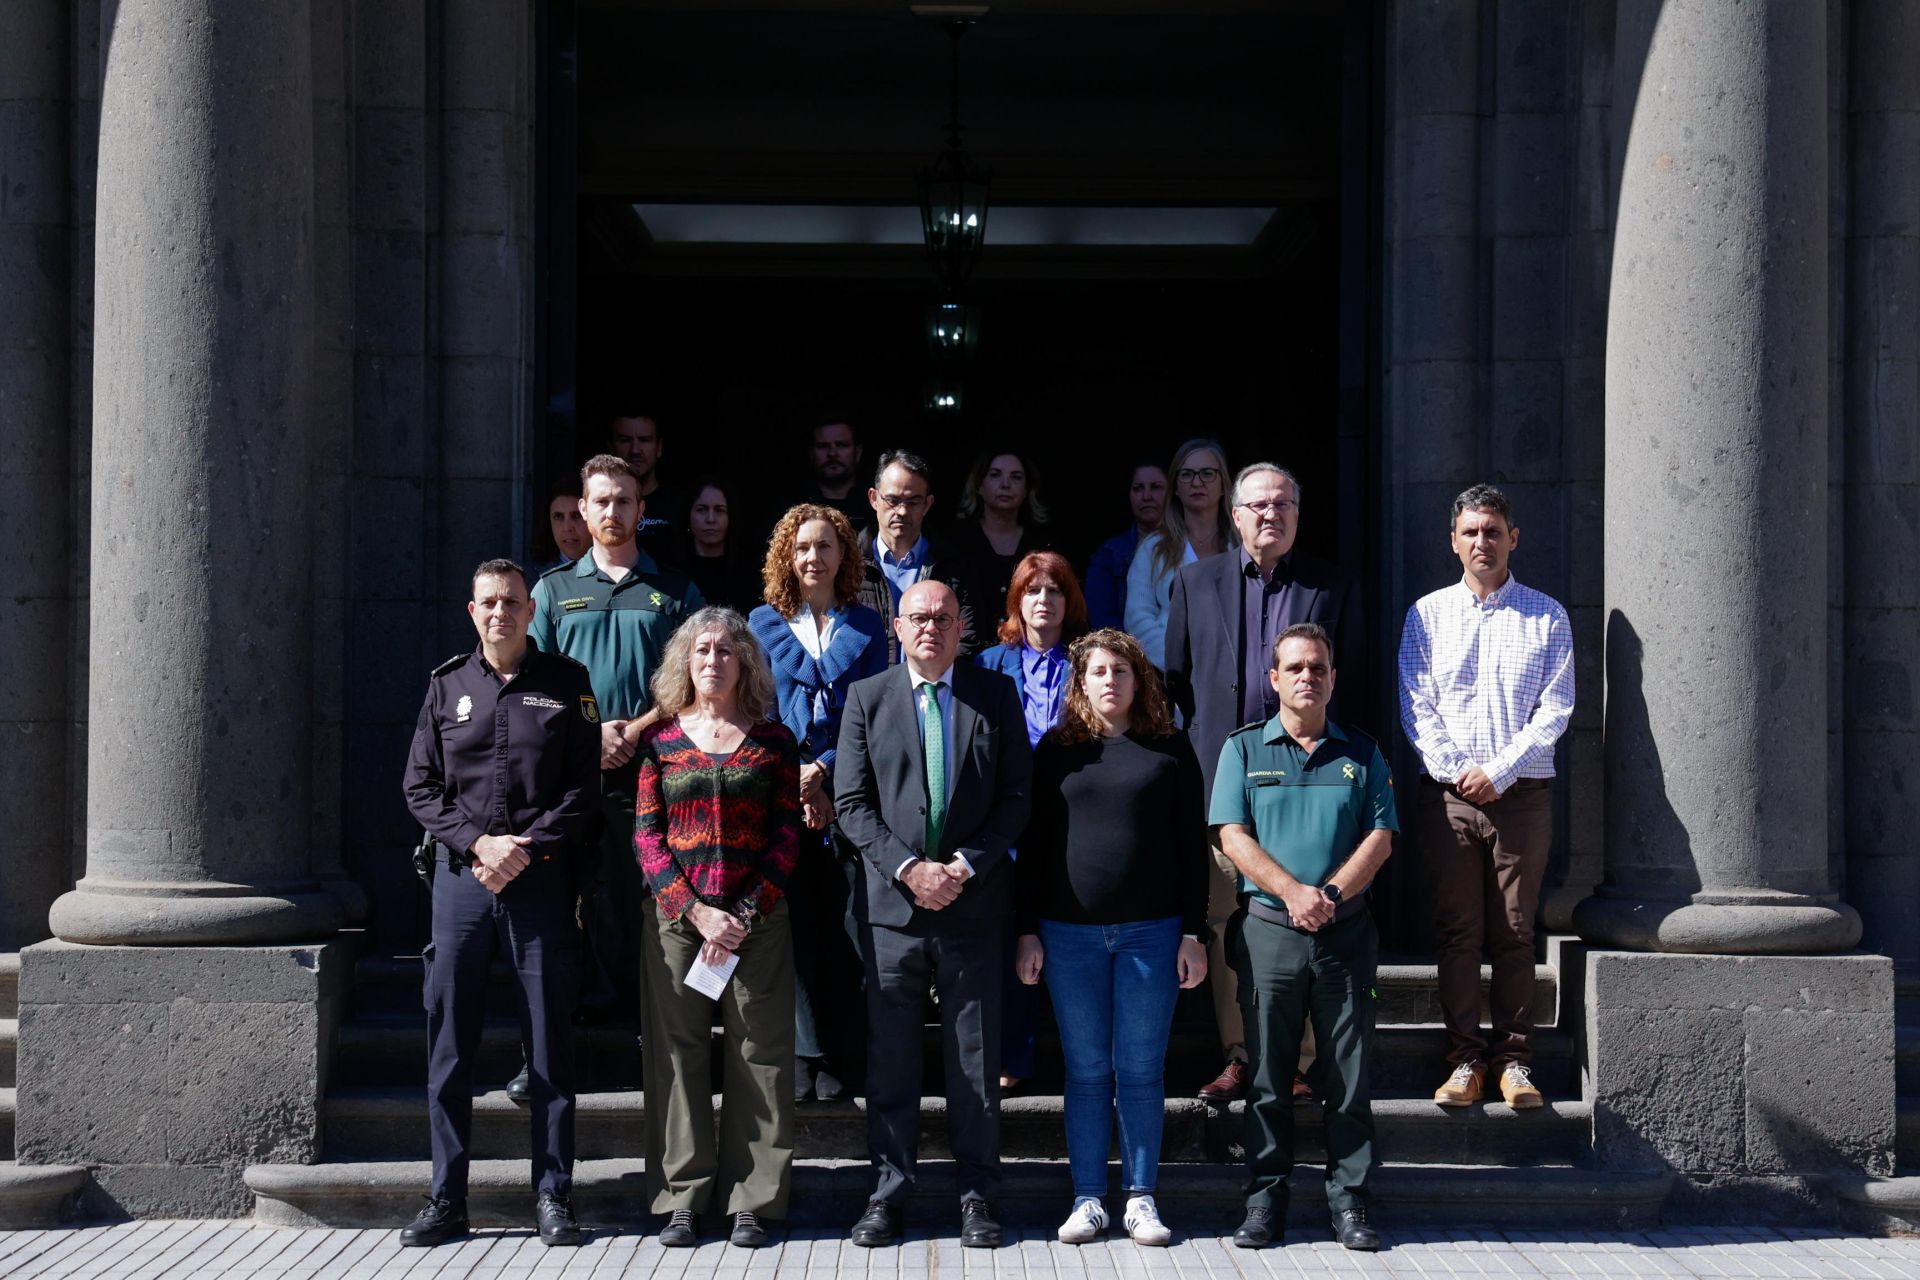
(1486, 864)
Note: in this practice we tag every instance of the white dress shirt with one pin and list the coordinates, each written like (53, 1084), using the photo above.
(1486, 682)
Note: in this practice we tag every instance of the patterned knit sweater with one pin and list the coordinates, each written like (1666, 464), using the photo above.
(724, 832)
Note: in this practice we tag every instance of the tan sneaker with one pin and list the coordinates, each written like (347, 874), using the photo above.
(1517, 1087)
(1464, 1087)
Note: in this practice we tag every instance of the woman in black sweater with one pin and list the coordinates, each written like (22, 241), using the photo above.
(1113, 906)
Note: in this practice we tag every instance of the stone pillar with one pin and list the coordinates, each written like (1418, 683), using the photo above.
(1716, 639)
(34, 609)
(1716, 492)
(198, 767)
(191, 988)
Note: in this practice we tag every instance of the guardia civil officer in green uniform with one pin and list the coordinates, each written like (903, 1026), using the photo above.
(613, 611)
(1305, 810)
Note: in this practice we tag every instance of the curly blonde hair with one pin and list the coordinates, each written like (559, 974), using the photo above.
(1150, 717)
(673, 682)
(782, 587)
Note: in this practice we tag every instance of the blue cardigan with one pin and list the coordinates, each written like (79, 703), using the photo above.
(857, 649)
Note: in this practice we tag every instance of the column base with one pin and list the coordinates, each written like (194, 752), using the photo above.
(142, 914)
(1737, 1068)
(1758, 923)
(167, 1071)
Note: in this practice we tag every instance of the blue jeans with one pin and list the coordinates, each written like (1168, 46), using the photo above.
(1113, 989)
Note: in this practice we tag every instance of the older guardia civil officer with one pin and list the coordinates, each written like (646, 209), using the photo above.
(931, 784)
(1305, 809)
(717, 830)
(504, 775)
(1486, 690)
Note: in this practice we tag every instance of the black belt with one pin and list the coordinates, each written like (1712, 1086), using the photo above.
(1346, 909)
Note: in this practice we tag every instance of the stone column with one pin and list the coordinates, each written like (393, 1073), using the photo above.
(190, 987)
(1716, 661)
(1716, 492)
(198, 766)
(34, 334)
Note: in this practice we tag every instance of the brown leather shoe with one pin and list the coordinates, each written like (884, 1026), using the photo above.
(1464, 1087)
(1302, 1091)
(1230, 1085)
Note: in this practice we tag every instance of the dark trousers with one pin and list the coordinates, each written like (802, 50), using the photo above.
(531, 922)
(961, 960)
(1486, 863)
(829, 1015)
(1287, 979)
(612, 911)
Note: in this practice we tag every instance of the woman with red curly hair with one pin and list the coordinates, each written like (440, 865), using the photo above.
(819, 639)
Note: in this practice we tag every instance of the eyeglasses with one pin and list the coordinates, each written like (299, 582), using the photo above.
(895, 501)
(1277, 507)
(1205, 475)
(941, 622)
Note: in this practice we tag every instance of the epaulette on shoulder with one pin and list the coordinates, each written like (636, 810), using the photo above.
(450, 664)
(565, 566)
(1257, 724)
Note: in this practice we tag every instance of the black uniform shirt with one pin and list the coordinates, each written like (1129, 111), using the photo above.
(518, 758)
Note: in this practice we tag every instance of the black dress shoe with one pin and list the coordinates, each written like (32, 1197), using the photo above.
(805, 1072)
(828, 1087)
(1257, 1231)
(682, 1230)
(978, 1230)
(520, 1089)
(1353, 1231)
(442, 1220)
(557, 1225)
(878, 1226)
(748, 1233)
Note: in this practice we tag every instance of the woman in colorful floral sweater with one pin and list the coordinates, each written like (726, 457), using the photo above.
(717, 829)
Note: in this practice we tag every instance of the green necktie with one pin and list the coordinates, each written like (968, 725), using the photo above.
(933, 734)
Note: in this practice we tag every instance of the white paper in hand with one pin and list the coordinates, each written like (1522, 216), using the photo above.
(711, 979)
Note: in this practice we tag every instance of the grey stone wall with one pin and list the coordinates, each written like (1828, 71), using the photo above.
(437, 284)
(1497, 222)
(1879, 560)
(35, 333)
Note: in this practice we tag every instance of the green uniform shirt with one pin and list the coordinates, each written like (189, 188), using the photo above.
(1308, 812)
(616, 630)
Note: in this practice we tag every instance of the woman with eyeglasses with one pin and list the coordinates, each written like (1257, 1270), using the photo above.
(1001, 520)
(1197, 524)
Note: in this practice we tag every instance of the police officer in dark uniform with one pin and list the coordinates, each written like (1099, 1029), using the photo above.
(504, 776)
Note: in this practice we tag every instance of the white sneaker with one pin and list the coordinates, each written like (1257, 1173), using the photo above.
(1143, 1223)
(1088, 1221)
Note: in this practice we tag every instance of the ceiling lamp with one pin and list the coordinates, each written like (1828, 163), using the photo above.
(953, 330)
(953, 189)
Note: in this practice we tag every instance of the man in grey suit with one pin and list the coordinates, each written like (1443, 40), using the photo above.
(1226, 611)
(931, 784)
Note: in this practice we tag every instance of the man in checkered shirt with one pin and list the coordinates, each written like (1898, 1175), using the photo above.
(1486, 689)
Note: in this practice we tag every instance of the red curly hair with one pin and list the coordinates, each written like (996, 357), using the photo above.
(1031, 566)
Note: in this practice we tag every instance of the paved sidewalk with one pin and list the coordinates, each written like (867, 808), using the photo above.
(210, 1249)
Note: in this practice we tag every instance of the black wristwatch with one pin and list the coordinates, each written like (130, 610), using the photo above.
(1332, 890)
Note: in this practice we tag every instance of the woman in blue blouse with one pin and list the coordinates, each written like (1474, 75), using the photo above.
(818, 640)
(1045, 613)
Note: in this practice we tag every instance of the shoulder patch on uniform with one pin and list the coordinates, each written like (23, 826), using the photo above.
(450, 664)
(589, 708)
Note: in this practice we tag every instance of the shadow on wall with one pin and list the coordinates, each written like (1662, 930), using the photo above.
(1646, 836)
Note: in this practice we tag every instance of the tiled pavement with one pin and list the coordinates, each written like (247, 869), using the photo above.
(210, 1249)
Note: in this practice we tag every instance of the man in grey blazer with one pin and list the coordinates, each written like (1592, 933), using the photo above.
(1226, 611)
(931, 784)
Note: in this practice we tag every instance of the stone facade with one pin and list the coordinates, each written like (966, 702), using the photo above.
(266, 368)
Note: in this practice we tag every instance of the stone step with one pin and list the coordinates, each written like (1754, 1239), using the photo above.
(1906, 1058)
(9, 984)
(9, 1050)
(1409, 1060)
(391, 1124)
(9, 1102)
(37, 1196)
(1906, 1140)
(1197, 1198)
(1408, 991)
